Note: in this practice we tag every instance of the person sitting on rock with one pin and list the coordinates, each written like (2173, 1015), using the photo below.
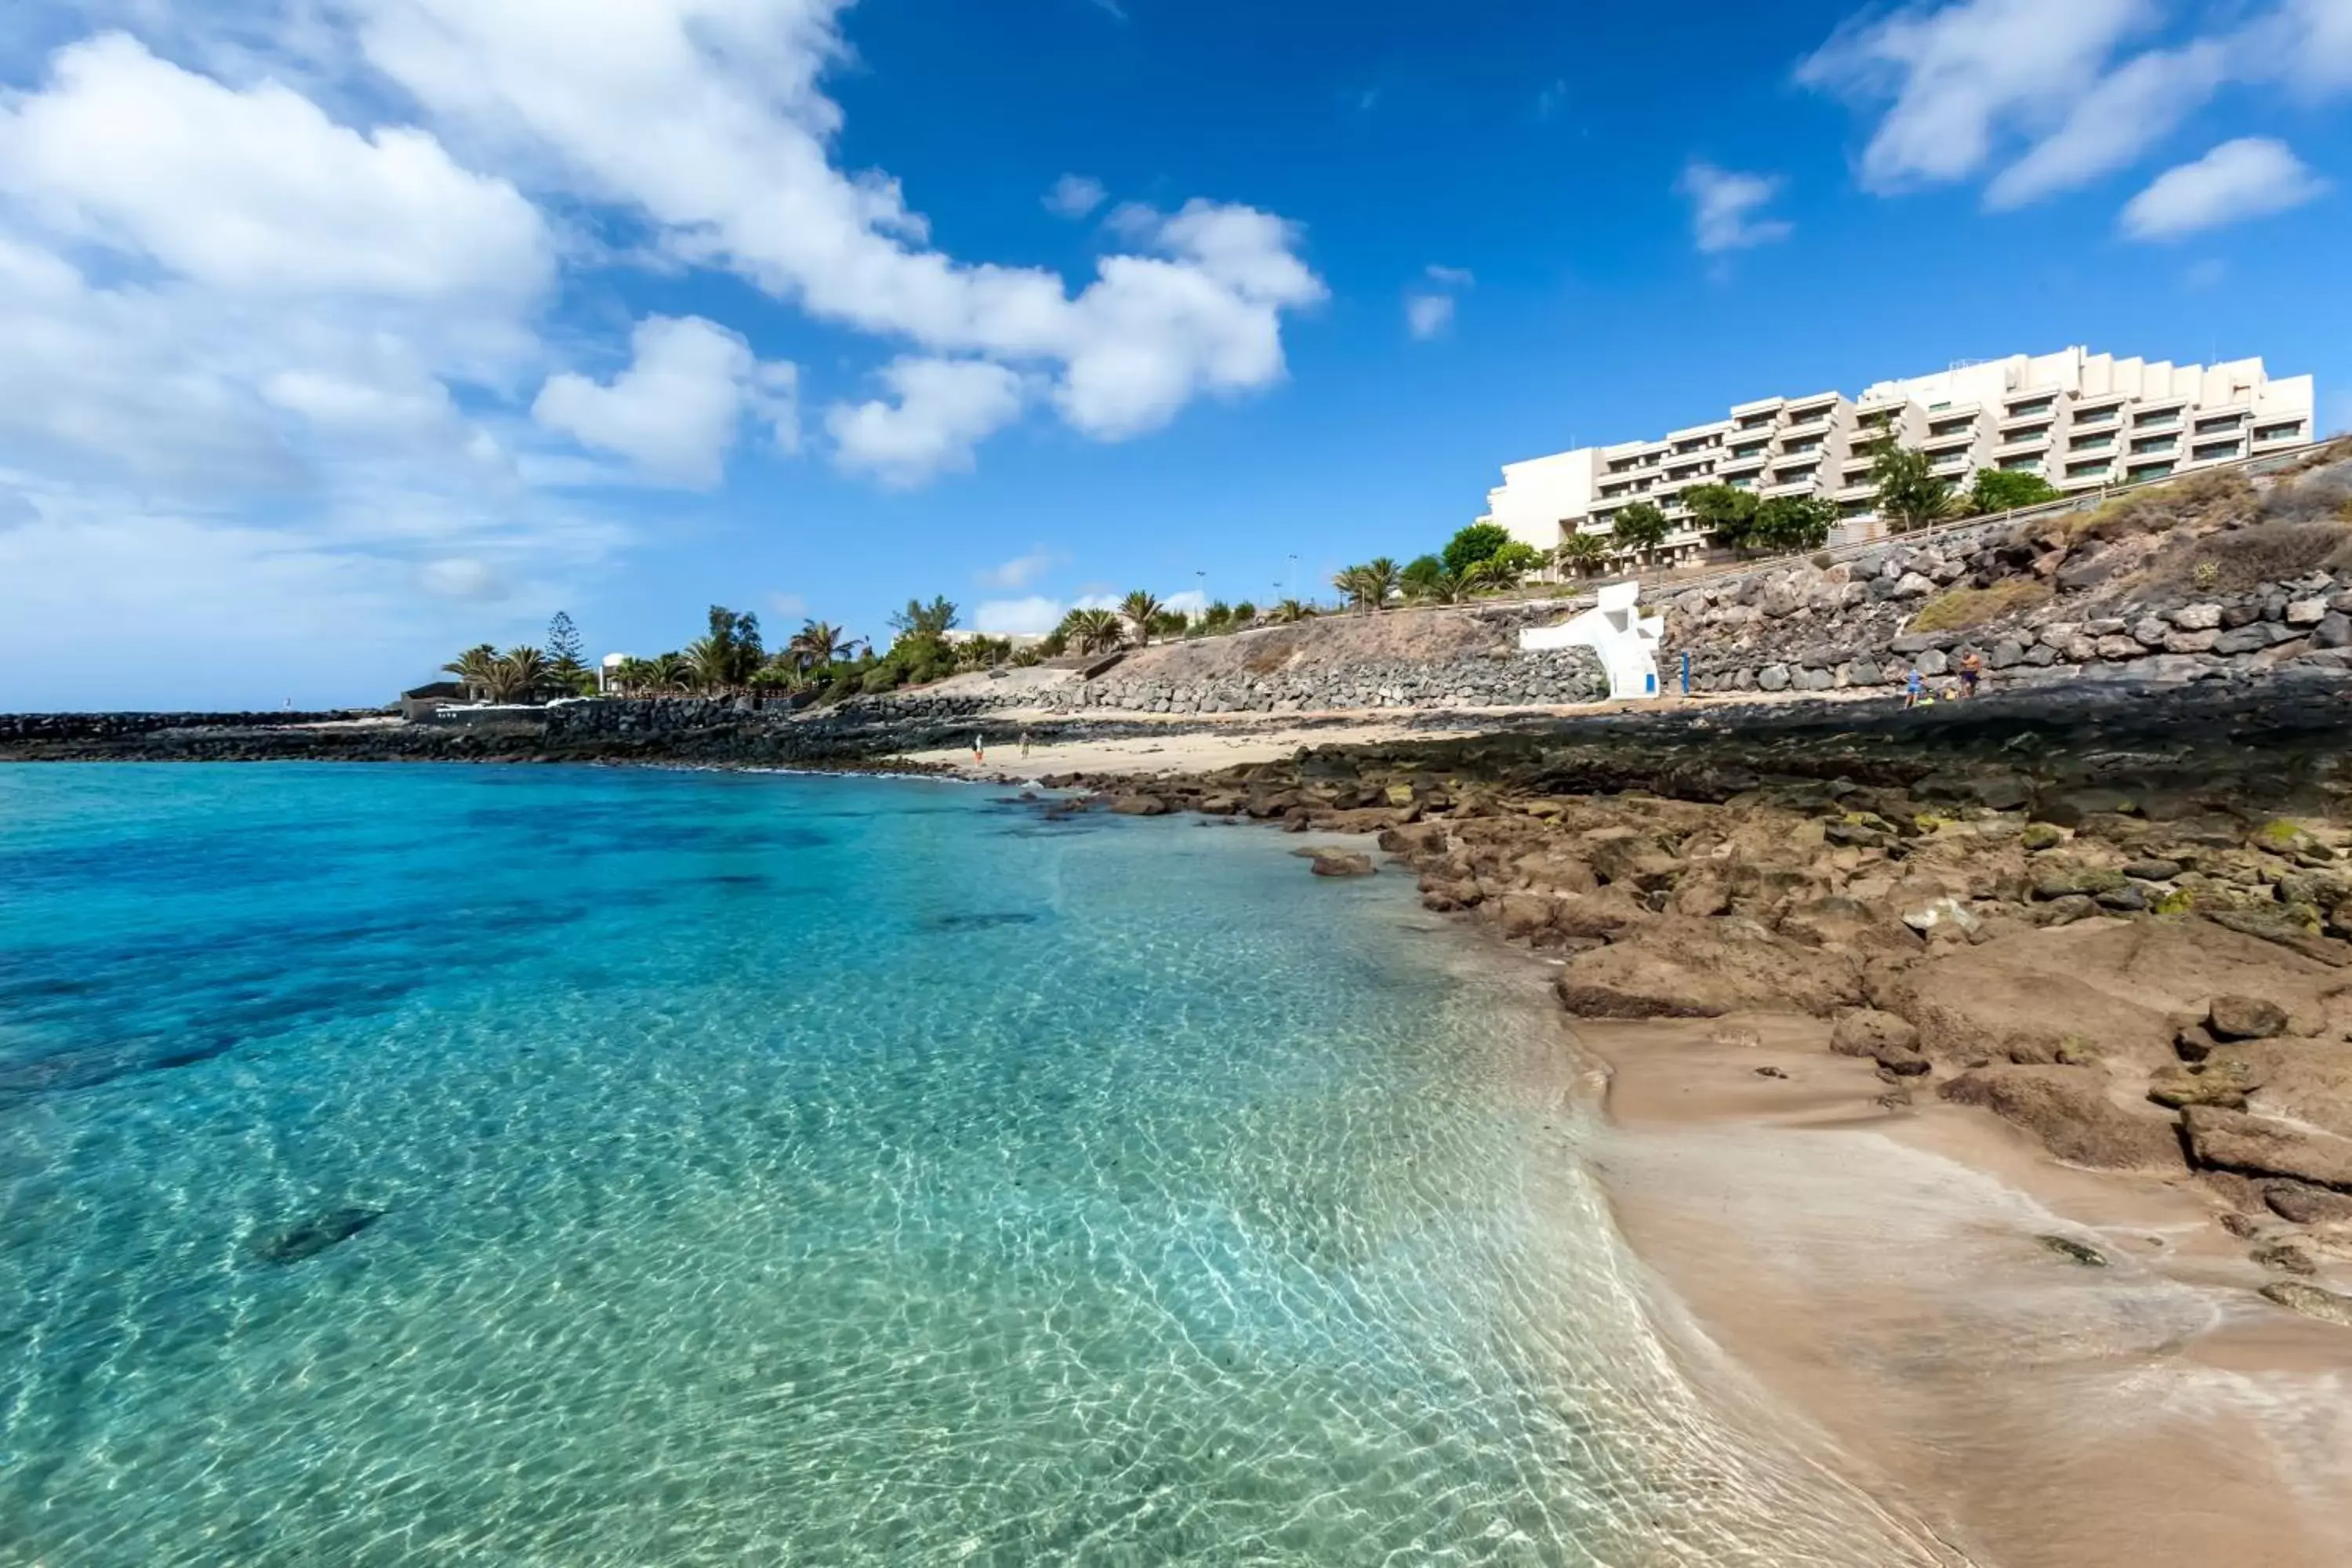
(1971, 671)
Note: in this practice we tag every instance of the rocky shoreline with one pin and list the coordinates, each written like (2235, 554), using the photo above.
(2119, 920)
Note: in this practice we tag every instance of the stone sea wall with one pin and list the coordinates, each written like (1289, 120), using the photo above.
(74, 727)
(1504, 679)
(1801, 628)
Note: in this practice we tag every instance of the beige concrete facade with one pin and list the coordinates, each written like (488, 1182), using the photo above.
(2079, 419)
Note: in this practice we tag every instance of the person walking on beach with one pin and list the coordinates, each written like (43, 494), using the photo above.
(1024, 745)
(1971, 669)
(1913, 688)
(979, 753)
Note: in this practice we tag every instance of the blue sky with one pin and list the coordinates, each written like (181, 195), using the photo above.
(337, 334)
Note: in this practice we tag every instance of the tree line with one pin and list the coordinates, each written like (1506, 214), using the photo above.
(822, 662)
(1484, 559)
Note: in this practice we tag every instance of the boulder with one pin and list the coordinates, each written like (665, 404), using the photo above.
(1138, 806)
(2244, 1019)
(1681, 968)
(2222, 1082)
(1523, 916)
(2333, 630)
(2311, 1301)
(2307, 1205)
(1866, 1031)
(1602, 914)
(2235, 1140)
(1340, 863)
(1556, 871)
(1913, 586)
(2069, 1110)
(2196, 617)
(2306, 612)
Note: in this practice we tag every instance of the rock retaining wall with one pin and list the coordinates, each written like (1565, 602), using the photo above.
(1801, 629)
(1505, 679)
(58, 727)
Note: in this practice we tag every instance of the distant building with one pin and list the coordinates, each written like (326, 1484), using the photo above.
(2078, 419)
(421, 703)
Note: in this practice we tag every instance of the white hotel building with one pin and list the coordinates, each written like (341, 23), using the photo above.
(2078, 419)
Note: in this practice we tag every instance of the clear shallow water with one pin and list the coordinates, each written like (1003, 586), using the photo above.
(785, 1170)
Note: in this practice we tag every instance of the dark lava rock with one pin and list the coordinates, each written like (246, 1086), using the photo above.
(311, 1236)
(2074, 1251)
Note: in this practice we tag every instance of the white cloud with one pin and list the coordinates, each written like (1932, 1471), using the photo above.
(1960, 74)
(1427, 315)
(1031, 616)
(1075, 195)
(2110, 126)
(1963, 82)
(1726, 207)
(1019, 572)
(463, 577)
(258, 191)
(1449, 277)
(2247, 178)
(705, 116)
(2308, 44)
(676, 410)
(943, 409)
(1039, 613)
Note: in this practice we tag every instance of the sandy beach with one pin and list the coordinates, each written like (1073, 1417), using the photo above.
(1883, 1275)
(2053, 1367)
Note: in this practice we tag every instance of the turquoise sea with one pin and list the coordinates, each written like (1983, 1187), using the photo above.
(554, 1166)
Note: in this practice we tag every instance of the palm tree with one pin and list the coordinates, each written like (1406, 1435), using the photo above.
(1370, 585)
(817, 644)
(1140, 610)
(1492, 575)
(670, 672)
(474, 668)
(1583, 553)
(1091, 631)
(518, 674)
(1290, 611)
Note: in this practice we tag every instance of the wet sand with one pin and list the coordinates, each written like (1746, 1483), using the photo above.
(1881, 1275)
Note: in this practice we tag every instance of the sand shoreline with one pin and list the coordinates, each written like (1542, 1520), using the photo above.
(1880, 1278)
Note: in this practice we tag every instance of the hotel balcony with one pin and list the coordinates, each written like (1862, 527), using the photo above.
(2034, 406)
(2285, 432)
(2155, 446)
(1802, 486)
(1748, 465)
(2140, 472)
(2219, 451)
(2101, 414)
(1953, 441)
(2034, 441)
